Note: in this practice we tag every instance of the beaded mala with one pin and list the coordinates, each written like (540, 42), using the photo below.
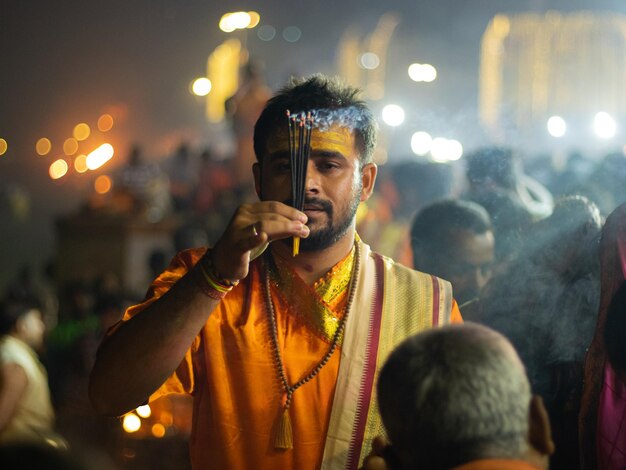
(283, 439)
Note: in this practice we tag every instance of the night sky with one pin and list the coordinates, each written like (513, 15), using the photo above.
(65, 62)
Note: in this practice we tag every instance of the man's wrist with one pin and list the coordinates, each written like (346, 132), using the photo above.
(208, 266)
(210, 283)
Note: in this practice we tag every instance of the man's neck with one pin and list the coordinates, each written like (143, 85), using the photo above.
(312, 265)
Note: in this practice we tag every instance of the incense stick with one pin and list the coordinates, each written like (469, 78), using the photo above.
(300, 127)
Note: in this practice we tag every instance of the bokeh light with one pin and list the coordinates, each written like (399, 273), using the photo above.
(201, 86)
(43, 146)
(144, 411)
(455, 150)
(445, 150)
(255, 18)
(131, 423)
(393, 115)
(81, 131)
(557, 126)
(422, 72)
(3, 146)
(70, 146)
(100, 156)
(439, 149)
(58, 169)
(292, 34)
(103, 185)
(80, 163)
(105, 123)
(369, 61)
(166, 418)
(239, 20)
(429, 73)
(604, 125)
(421, 143)
(266, 32)
(158, 430)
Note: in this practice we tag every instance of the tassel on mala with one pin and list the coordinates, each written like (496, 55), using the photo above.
(283, 439)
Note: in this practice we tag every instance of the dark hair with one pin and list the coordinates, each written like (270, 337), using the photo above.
(325, 96)
(615, 329)
(436, 223)
(497, 165)
(567, 241)
(12, 309)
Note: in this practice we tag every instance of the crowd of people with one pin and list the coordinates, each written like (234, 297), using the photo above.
(340, 357)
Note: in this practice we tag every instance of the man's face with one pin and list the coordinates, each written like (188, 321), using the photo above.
(468, 264)
(335, 183)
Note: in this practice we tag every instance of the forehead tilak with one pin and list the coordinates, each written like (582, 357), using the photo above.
(335, 138)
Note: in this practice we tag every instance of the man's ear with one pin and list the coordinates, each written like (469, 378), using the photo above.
(256, 171)
(368, 178)
(539, 431)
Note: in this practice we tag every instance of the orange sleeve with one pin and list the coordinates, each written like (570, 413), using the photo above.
(455, 314)
(182, 380)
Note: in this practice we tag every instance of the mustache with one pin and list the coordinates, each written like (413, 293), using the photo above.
(320, 204)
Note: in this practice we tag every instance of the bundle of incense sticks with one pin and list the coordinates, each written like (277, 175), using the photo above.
(300, 125)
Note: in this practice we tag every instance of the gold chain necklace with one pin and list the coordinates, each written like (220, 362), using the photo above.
(283, 439)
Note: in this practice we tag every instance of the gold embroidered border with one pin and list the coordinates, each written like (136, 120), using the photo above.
(321, 305)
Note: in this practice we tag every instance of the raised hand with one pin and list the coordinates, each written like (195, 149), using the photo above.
(251, 227)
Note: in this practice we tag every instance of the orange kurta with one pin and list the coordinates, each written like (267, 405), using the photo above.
(231, 371)
(233, 376)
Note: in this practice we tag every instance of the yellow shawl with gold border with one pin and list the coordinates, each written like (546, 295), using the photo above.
(392, 303)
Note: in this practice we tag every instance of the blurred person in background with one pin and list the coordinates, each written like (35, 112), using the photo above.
(142, 187)
(26, 413)
(182, 171)
(606, 184)
(603, 406)
(513, 199)
(244, 108)
(453, 239)
(545, 303)
(457, 397)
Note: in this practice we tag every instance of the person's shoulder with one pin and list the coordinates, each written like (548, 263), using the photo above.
(14, 351)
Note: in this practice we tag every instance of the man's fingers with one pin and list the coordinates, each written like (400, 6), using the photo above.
(274, 207)
(278, 229)
(253, 242)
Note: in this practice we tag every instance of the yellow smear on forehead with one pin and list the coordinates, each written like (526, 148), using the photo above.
(335, 139)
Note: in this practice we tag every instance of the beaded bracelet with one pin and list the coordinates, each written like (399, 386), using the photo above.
(208, 286)
(210, 270)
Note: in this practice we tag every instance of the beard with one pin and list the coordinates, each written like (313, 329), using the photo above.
(334, 230)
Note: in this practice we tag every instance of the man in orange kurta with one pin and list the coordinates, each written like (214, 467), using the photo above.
(206, 327)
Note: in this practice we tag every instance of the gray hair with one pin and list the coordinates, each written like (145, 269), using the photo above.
(454, 394)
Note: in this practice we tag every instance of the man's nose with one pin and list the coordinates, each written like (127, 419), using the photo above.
(312, 178)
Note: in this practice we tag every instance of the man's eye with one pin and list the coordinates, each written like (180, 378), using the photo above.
(327, 166)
